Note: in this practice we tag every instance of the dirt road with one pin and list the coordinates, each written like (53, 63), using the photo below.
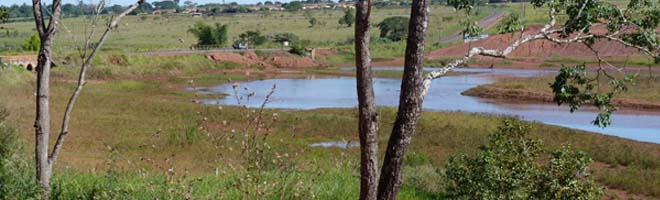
(486, 23)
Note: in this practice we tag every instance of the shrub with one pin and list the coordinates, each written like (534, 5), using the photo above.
(348, 19)
(16, 175)
(282, 37)
(509, 168)
(394, 28)
(4, 15)
(32, 43)
(293, 6)
(207, 35)
(510, 24)
(299, 48)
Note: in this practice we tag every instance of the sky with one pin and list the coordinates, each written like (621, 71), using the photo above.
(127, 2)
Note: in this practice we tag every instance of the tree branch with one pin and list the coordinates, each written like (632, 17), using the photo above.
(544, 33)
(38, 17)
(81, 81)
(57, 11)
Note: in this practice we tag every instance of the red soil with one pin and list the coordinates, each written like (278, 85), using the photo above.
(538, 50)
(279, 60)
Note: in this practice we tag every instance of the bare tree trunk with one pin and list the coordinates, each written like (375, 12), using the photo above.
(368, 123)
(42, 122)
(410, 102)
(44, 161)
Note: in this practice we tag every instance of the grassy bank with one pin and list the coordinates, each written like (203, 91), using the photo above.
(147, 123)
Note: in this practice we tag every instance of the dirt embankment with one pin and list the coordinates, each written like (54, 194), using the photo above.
(534, 53)
(519, 95)
(269, 60)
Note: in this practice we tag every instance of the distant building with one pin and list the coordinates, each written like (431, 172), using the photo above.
(163, 11)
(275, 8)
(344, 6)
(196, 14)
(190, 10)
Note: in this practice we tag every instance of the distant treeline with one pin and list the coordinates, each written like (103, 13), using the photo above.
(73, 10)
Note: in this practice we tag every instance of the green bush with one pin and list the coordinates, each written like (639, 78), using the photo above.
(4, 15)
(16, 175)
(32, 43)
(207, 35)
(512, 23)
(285, 37)
(394, 28)
(509, 168)
(299, 47)
(348, 19)
(251, 38)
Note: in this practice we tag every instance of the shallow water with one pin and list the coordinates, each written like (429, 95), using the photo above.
(444, 95)
(337, 144)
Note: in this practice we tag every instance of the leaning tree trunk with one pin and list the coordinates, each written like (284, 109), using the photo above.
(410, 102)
(368, 123)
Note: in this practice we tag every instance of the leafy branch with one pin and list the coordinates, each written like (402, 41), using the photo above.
(633, 27)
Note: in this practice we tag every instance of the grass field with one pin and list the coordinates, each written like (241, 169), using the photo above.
(136, 132)
(155, 32)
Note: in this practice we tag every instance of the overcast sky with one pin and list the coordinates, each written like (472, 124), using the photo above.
(127, 2)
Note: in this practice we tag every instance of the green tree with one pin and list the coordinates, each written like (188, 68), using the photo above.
(165, 5)
(509, 167)
(293, 6)
(208, 35)
(4, 15)
(510, 24)
(394, 28)
(32, 43)
(348, 19)
(221, 34)
(251, 38)
(203, 32)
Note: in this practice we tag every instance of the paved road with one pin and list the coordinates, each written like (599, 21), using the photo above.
(486, 23)
(188, 51)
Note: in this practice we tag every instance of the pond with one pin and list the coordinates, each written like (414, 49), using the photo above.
(444, 95)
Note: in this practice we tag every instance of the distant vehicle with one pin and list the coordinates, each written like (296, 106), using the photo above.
(239, 46)
(475, 38)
